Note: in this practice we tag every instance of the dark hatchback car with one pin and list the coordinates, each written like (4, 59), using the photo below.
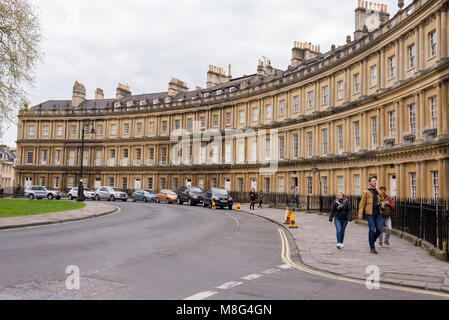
(144, 195)
(220, 196)
(191, 195)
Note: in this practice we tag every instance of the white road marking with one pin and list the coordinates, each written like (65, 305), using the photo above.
(284, 266)
(270, 271)
(252, 277)
(202, 295)
(229, 285)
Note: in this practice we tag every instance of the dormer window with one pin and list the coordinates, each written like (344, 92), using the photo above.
(117, 105)
(130, 103)
(232, 89)
(142, 102)
(219, 92)
(155, 101)
(206, 94)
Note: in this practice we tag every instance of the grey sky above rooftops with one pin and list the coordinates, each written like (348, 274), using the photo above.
(145, 43)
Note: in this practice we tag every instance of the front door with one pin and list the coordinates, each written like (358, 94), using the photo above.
(392, 190)
(28, 181)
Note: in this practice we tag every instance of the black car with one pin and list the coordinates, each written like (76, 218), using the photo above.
(191, 195)
(220, 196)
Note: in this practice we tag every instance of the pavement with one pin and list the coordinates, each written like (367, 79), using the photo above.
(91, 210)
(400, 264)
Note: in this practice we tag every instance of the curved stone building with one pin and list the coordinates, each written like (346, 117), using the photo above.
(377, 105)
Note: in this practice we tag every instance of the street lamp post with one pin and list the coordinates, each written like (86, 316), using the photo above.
(85, 123)
(316, 170)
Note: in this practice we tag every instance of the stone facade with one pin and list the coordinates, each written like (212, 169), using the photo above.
(377, 105)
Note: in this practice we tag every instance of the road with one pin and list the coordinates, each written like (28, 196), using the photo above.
(165, 252)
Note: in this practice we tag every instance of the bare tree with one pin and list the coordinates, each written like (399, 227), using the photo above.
(20, 37)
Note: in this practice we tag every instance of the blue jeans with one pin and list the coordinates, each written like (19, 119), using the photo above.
(341, 227)
(375, 224)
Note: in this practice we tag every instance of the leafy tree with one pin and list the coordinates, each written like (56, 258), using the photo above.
(20, 38)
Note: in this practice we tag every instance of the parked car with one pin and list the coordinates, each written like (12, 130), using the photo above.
(40, 192)
(144, 195)
(220, 196)
(110, 194)
(168, 196)
(88, 193)
(191, 195)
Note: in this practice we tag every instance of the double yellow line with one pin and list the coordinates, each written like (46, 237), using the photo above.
(286, 259)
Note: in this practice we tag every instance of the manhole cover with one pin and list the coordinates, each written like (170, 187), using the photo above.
(412, 277)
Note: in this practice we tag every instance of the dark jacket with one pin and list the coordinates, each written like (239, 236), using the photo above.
(341, 210)
(253, 196)
(388, 205)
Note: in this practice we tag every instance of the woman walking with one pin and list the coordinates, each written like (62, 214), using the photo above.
(341, 214)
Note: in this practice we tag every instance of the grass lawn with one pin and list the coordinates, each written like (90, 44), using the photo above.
(15, 208)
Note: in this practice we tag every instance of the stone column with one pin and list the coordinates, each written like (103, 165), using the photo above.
(444, 35)
(443, 117)
(421, 47)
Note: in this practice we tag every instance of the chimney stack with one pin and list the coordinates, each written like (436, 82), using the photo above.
(371, 15)
(99, 94)
(217, 76)
(122, 91)
(303, 51)
(79, 94)
(176, 86)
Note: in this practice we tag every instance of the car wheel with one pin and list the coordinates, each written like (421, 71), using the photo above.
(145, 199)
(50, 197)
(70, 197)
(97, 197)
(179, 201)
(205, 205)
(112, 198)
(168, 201)
(230, 207)
(31, 197)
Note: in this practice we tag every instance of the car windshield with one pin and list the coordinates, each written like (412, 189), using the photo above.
(87, 189)
(115, 190)
(196, 189)
(220, 192)
(170, 192)
(149, 191)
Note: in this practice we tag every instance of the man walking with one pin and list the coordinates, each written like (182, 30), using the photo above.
(370, 208)
(388, 208)
(253, 199)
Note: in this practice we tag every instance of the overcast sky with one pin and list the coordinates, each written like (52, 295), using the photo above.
(144, 43)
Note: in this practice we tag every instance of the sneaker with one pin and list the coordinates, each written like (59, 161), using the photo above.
(373, 251)
(342, 245)
(338, 246)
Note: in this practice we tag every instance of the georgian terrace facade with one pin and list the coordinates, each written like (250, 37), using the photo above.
(376, 106)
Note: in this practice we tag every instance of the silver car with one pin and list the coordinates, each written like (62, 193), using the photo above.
(41, 192)
(88, 193)
(110, 194)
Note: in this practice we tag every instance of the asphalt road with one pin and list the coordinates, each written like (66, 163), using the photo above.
(164, 252)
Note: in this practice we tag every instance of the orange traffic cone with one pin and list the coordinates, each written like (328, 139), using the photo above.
(238, 207)
(214, 206)
(293, 222)
(287, 220)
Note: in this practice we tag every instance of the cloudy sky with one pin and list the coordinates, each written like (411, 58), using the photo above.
(144, 43)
